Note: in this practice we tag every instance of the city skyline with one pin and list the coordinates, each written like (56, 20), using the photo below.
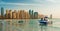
(20, 14)
(45, 7)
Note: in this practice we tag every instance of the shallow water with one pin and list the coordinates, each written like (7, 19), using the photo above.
(28, 25)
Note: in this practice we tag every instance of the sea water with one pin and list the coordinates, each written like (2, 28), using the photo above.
(28, 25)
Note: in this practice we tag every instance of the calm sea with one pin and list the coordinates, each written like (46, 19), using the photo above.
(28, 25)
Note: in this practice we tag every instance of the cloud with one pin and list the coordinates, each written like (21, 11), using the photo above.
(47, 1)
(20, 4)
(1, 2)
(40, 1)
(54, 1)
(19, 1)
(50, 0)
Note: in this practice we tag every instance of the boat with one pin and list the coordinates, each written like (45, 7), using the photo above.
(45, 22)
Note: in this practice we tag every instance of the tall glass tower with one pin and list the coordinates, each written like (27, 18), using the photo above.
(36, 15)
(2, 11)
(31, 13)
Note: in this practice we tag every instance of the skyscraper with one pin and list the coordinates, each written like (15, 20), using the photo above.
(7, 12)
(31, 14)
(14, 14)
(10, 14)
(51, 16)
(35, 15)
(30, 11)
(17, 14)
(2, 11)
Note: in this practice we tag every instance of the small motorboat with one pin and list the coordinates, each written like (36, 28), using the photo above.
(45, 22)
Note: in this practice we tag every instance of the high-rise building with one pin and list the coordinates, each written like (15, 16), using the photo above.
(7, 12)
(20, 14)
(17, 15)
(23, 14)
(14, 14)
(31, 14)
(10, 14)
(51, 16)
(35, 15)
(15, 11)
(26, 15)
(2, 11)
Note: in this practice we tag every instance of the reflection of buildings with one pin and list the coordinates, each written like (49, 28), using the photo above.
(14, 24)
(1, 26)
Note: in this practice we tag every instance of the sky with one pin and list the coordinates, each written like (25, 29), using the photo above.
(45, 7)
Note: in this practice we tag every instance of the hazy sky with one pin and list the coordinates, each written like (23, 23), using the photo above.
(45, 7)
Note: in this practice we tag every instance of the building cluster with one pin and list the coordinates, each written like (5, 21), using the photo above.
(33, 15)
(18, 14)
